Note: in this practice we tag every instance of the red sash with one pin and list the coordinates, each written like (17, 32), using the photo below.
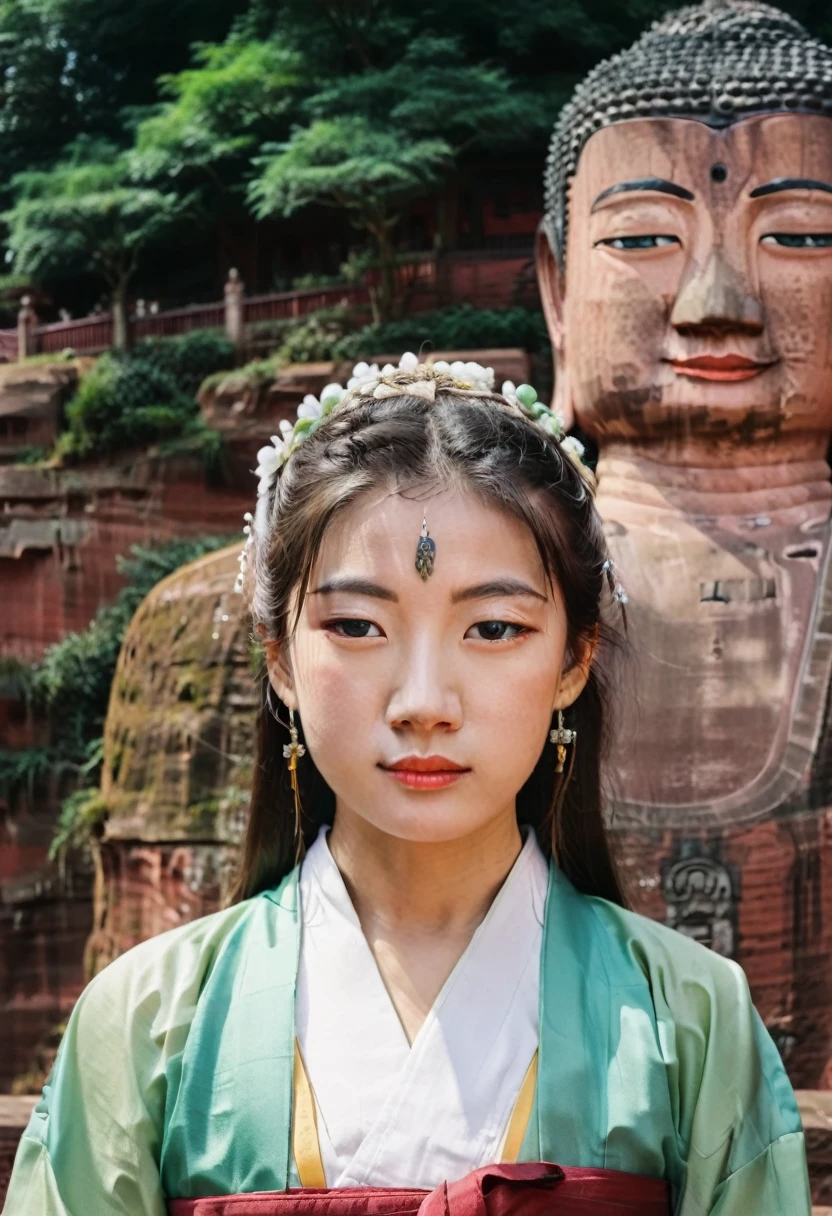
(535, 1189)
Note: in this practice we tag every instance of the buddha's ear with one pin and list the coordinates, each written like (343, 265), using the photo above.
(551, 282)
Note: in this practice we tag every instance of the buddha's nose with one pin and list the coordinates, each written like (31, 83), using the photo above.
(716, 301)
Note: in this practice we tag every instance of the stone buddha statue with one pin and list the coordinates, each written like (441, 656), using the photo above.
(685, 265)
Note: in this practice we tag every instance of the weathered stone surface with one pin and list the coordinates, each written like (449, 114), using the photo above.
(61, 531)
(60, 534)
(178, 755)
(32, 398)
(178, 745)
(690, 349)
(44, 924)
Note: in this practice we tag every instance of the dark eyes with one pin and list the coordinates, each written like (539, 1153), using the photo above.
(352, 628)
(485, 631)
(495, 631)
(799, 240)
(648, 241)
(786, 240)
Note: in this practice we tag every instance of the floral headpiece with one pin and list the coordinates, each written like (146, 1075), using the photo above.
(414, 379)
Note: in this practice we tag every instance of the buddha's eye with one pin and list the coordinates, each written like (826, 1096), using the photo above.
(648, 241)
(799, 240)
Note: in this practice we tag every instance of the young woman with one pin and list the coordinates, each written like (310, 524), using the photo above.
(448, 984)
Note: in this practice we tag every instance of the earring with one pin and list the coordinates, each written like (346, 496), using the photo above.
(561, 736)
(292, 751)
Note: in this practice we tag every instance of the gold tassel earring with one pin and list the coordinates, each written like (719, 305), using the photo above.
(292, 751)
(562, 737)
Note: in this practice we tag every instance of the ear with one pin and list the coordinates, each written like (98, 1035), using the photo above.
(574, 680)
(550, 282)
(280, 673)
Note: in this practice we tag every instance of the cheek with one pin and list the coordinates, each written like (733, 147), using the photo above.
(617, 320)
(509, 713)
(337, 700)
(797, 307)
(797, 300)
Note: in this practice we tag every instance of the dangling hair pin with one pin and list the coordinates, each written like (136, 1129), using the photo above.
(425, 552)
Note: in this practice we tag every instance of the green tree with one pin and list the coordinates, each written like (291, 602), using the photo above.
(350, 163)
(73, 67)
(373, 141)
(88, 211)
(216, 113)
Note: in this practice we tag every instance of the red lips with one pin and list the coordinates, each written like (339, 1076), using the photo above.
(719, 367)
(425, 772)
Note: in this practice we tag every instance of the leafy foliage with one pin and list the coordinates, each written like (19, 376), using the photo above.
(460, 327)
(235, 95)
(81, 814)
(24, 769)
(69, 67)
(87, 211)
(194, 92)
(85, 208)
(29, 453)
(124, 402)
(373, 142)
(315, 337)
(188, 359)
(346, 162)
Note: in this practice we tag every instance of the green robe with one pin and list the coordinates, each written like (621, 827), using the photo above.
(174, 1077)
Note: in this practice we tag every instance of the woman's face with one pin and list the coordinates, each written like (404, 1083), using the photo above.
(459, 674)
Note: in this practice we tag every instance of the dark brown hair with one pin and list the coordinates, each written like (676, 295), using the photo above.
(483, 445)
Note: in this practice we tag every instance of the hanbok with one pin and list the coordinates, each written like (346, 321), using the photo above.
(579, 1059)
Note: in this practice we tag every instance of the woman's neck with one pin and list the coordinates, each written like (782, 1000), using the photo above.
(419, 904)
(424, 887)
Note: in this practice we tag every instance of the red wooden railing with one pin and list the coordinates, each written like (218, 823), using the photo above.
(487, 278)
(280, 305)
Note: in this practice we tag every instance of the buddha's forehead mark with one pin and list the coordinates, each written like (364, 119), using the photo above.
(658, 185)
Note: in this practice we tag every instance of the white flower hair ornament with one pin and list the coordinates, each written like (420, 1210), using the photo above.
(370, 380)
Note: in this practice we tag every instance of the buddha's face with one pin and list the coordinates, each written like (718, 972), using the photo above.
(698, 287)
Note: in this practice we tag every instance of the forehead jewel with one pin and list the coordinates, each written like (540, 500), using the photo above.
(716, 62)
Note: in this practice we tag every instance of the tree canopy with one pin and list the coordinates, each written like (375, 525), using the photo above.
(263, 107)
(87, 211)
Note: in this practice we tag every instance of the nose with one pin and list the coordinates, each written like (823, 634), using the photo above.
(424, 698)
(715, 301)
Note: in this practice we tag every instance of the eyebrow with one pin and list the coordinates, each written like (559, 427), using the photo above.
(645, 183)
(356, 586)
(497, 587)
(790, 183)
(479, 591)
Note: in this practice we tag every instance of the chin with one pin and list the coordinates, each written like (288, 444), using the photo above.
(667, 410)
(437, 823)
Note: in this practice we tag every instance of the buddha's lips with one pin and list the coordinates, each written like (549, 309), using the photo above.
(719, 367)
